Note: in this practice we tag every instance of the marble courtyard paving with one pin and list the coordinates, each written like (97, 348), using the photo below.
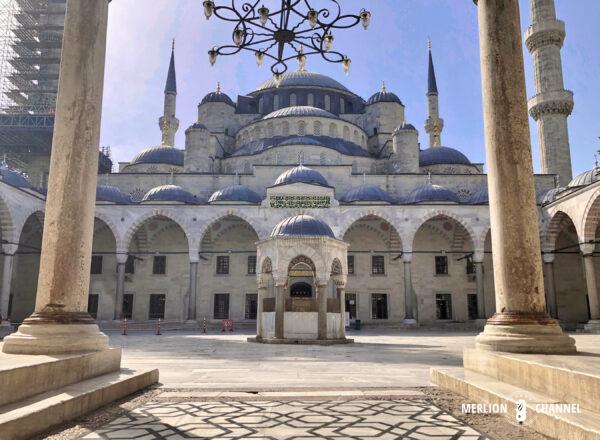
(282, 420)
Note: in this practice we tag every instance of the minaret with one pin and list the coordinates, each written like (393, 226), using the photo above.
(434, 124)
(168, 123)
(552, 104)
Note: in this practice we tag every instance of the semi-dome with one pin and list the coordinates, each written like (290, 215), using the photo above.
(217, 96)
(161, 154)
(235, 193)
(13, 178)
(442, 156)
(549, 196)
(170, 193)
(480, 196)
(302, 225)
(301, 111)
(111, 194)
(302, 78)
(585, 178)
(431, 193)
(340, 145)
(367, 193)
(384, 96)
(301, 174)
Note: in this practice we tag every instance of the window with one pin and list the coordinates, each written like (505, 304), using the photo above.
(443, 306)
(130, 264)
(93, 305)
(157, 306)
(375, 131)
(96, 268)
(472, 305)
(379, 308)
(221, 307)
(276, 102)
(346, 133)
(251, 264)
(159, 265)
(342, 105)
(311, 100)
(441, 265)
(285, 128)
(301, 128)
(261, 105)
(318, 130)
(470, 266)
(378, 264)
(327, 103)
(251, 305)
(351, 304)
(350, 264)
(128, 306)
(223, 265)
(293, 100)
(333, 131)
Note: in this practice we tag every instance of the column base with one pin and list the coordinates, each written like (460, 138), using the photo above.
(61, 333)
(592, 326)
(409, 321)
(524, 333)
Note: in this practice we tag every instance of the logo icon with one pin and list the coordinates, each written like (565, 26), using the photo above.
(521, 411)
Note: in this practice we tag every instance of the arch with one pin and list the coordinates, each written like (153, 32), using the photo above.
(346, 134)
(556, 224)
(229, 214)
(301, 128)
(317, 128)
(293, 100)
(302, 250)
(444, 213)
(310, 100)
(7, 227)
(110, 224)
(139, 221)
(351, 218)
(333, 130)
(591, 217)
(328, 103)
(302, 262)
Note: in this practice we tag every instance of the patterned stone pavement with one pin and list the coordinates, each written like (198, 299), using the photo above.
(287, 420)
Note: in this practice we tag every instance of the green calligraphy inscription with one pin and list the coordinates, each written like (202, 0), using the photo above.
(293, 201)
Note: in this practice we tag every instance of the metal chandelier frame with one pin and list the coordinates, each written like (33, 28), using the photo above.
(266, 33)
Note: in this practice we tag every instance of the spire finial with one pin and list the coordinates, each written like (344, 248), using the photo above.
(429, 43)
(171, 85)
(218, 87)
(431, 81)
(383, 88)
(173, 45)
(429, 178)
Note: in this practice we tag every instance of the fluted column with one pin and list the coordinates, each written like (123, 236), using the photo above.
(193, 289)
(551, 298)
(521, 323)
(120, 294)
(409, 317)
(60, 323)
(321, 292)
(587, 250)
(7, 273)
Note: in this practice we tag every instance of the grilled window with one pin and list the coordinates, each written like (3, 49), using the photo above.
(157, 306)
(223, 265)
(378, 264)
(251, 264)
(130, 265)
(441, 265)
(93, 305)
(159, 265)
(96, 268)
(221, 307)
(350, 264)
(379, 307)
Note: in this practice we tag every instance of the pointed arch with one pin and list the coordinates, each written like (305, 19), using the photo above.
(441, 213)
(139, 221)
(591, 218)
(556, 224)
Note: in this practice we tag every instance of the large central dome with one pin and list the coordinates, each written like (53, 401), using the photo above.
(302, 78)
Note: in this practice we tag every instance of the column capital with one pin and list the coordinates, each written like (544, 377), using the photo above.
(478, 256)
(122, 257)
(587, 249)
(10, 249)
(548, 257)
(407, 257)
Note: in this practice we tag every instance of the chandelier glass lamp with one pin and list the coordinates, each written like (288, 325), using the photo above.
(292, 32)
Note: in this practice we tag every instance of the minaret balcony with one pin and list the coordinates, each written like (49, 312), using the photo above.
(553, 102)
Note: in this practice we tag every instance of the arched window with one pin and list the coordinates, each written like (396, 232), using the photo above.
(317, 128)
(355, 136)
(333, 130)
(327, 103)
(261, 105)
(301, 128)
(285, 128)
(293, 100)
(276, 102)
(346, 133)
(311, 100)
(342, 105)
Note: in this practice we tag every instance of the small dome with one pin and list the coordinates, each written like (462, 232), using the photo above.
(13, 178)
(367, 193)
(480, 197)
(405, 127)
(302, 78)
(301, 174)
(431, 193)
(384, 96)
(549, 196)
(302, 225)
(442, 156)
(161, 154)
(197, 126)
(217, 96)
(170, 193)
(235, 193)
(300, 110)
(585, 178)
(111, 194)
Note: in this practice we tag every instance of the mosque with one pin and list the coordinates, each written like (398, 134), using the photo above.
(300, 205)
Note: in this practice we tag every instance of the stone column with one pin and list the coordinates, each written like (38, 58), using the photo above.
(60, 323)
(321, 291)
(193, 289)
(592, 286)
(121, 261)
(341, 293)
(479, 286)
(521, 323)
(7, 273)
(408, 291)
(551, 299)
(279, 310)
(262, 294)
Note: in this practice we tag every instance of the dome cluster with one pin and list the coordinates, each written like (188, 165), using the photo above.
(235, 194)
(302, 226)
(384, 96)
(442, 156)
(301, 174)
(430, 193)
(367, 193)
(161, 154)
(302, 78)
(170, 193)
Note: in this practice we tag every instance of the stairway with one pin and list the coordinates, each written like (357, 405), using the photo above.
(561, 392)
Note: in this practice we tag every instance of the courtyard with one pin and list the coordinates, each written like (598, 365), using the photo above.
(218, 385)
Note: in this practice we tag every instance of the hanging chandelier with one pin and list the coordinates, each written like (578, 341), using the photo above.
(294, 31)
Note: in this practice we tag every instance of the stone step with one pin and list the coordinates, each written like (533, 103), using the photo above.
(481, 389)
(27, 376)
(37, 414)
(574, 378)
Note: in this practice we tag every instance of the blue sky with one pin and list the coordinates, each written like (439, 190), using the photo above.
(394, 50)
